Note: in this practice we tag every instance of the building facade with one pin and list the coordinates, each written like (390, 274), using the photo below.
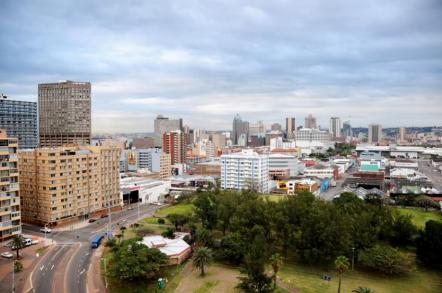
(164, 124)
(335, 127)
(64, 110)
(19, 118)
(143, 143)
(310, 122)
(374, 133)
(66, 184)
(174, 144)
(312, 135)
(10, 215)
(245, 170)
(290, 126)
(239, 128)
(165, 166)
(284, 166)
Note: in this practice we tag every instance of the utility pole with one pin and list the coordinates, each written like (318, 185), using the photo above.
(138, 210)
(109, 226)
(13, 276)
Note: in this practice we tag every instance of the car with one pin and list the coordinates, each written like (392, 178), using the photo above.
(7, 254)
(28, 242)
(35, 241)
(91, 220)
(45, 230)
(104, 216)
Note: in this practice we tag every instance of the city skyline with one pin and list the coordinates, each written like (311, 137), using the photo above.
(272, 61)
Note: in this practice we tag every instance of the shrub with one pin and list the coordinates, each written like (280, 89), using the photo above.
(385, 259)
(168, 233)
(143, 231)
(18, 266)
(429, 245)
(161, 221)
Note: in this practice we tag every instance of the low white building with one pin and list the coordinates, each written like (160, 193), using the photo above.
(177, 250)
(284, 163)
(245, 170)
(148, 190)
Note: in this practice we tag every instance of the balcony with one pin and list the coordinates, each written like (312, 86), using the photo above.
(5, 225)
(12, 157)
(13, 186)
(15, 215)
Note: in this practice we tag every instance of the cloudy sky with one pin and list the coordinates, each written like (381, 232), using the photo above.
(204, 61)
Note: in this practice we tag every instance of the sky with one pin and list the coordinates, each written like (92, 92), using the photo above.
(205, 61)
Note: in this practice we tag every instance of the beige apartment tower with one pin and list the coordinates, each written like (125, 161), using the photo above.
(165, 166)
(64, 110)
(66, 184)
(10, 224)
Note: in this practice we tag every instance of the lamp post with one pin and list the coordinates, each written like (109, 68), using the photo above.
(353, 259)
(13, 276)
(105, 271)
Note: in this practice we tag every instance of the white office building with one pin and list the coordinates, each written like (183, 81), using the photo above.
(285, 164)
(245, 170)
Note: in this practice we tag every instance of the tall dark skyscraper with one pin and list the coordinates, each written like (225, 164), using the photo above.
(64, 110)
(19, 118)
(239, 127)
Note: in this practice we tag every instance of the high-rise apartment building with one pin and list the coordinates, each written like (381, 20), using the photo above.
(374, 133)
(257, 128)
(66, 184)
(219, 141)
(245, 170)
(10, 224)
(290, 126)
(402, 133)
(164, 124)
(310, 122)
(276, 127)
(143, 143)
(335, 127)
(239, 127)
(346, 129)
(19, 118)
(174, 143)
(64, 110)
(165, 166)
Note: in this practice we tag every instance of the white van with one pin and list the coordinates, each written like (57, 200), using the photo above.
(28, 242)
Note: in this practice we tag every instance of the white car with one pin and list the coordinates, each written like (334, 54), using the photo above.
(35, 241)
(7, 254)
(45, 230)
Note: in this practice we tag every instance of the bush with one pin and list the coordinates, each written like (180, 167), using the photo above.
(18, 266)
(161, 221)
(403, 230)
(111, 243)
(429, 245)
(385, 259)
(169, 233)
(143, 231)
(232, 248)
(188, 239)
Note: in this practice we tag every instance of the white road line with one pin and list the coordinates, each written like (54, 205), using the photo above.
(52, 267)
(42, 267)
(82, 271)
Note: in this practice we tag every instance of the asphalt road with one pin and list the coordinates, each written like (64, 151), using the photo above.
(64, 268)
(432, 174)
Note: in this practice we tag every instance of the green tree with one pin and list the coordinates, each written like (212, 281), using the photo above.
(178, 220)
(168, 233)
(429, 245)
(385, 259)
(276, 263)
(362, 290)
(133, 260)
(425, 202)
(204, 237)
(18, 242)
(256, 279)
(232, 248)
(403, 230)
(18, 266)
(206, 209)
(203, 256)
(122, 230)
(341, 266)
(227, 201)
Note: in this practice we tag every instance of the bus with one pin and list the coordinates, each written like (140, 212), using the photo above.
(96, 241)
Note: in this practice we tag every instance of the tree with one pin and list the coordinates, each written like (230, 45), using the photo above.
(18, 242)
(341, 266)
(403, 230)
(362, 290)
(122, 230)
(204, 237)
(178, 220)
(385, 259)
(276, 263)
(203, 256)
(232, 248)
(134, 260)
(425, 202)
(168, 233)
(206, 209)
(256, 279)
(429, 245)
(18, 266)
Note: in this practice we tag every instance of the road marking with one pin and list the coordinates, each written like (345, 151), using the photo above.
(52, 267)
(42, 267)
(82, 272)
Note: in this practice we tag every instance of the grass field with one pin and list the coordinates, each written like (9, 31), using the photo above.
(308, 280)
(420, 216)
(180, 208)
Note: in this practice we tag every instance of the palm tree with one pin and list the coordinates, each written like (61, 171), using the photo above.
(276, 262)
(18, 242)
(203, 257)
(341, 265)
(362, 290)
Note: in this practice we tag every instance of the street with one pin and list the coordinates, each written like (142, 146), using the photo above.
(429, 171)
(65, 266)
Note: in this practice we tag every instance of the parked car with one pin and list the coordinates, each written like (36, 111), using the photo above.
(35, 241)
(28, 242)
(45, 230)
(104, 215)
(91, 220)
(7, 254)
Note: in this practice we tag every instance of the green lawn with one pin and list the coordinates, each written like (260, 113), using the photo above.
(180, 208)
(420, 216)
(308, 280)
(275, 197)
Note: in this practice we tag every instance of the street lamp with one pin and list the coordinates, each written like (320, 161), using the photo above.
(105, 271)
(13, 276)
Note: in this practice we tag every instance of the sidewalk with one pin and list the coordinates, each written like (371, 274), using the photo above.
(72, 227)
(28, 258)
(94, 281)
